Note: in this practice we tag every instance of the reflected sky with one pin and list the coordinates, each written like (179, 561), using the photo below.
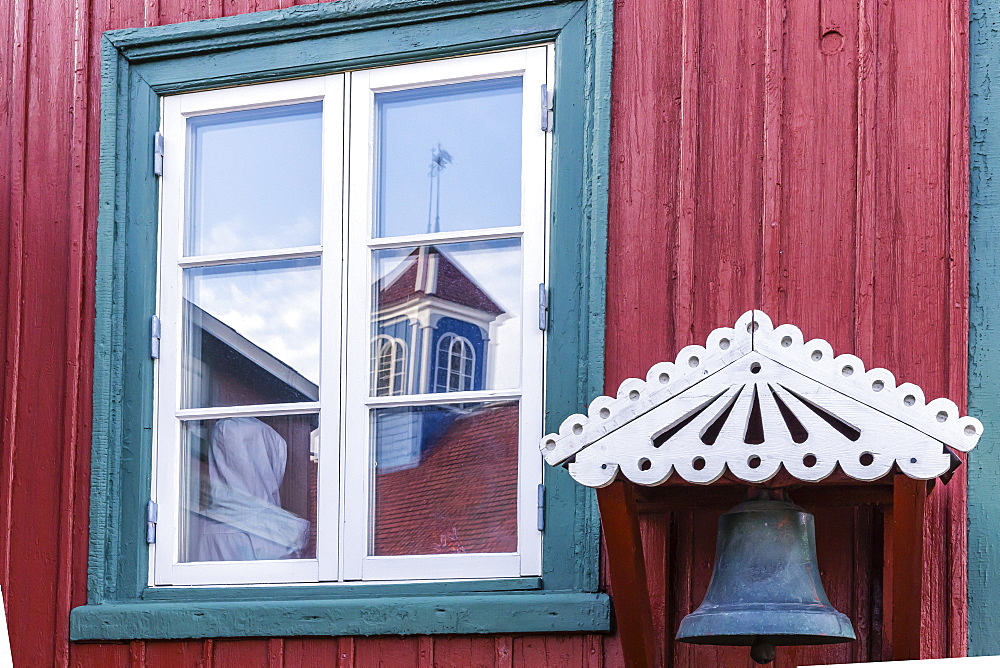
(255, 181)
(471, 134)
(275, 305)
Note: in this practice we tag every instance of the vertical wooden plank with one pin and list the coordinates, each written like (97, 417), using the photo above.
(958, 326)
(908, 553)
(687, 176)
(39, 553)
(15, 100)
(729, 181)
(888, 578)
(503, 652)
(774, 109)
(79, 344)
(593, 652)
(655, 532)
(275, 653)
(863, 572)
(88, 655)
(175, 654)
(866, 198)
(646, 105)
(345, 652)
(306, 652)
(229, 652)
(385, 651)
(463, 651)
(627, 573)
(813, 264)
(425, 652)
(177, 11)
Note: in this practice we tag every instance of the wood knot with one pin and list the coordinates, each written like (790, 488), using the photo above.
(831, 42)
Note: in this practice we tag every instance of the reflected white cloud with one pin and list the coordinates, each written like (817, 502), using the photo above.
(274, 305)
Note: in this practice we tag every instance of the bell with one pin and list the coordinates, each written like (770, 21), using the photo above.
(765, 588)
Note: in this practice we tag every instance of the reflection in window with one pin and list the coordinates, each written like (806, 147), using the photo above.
(251, 489)
(456, 361)
(389, 367)
(431, 497)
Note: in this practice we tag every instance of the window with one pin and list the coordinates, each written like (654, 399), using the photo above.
(388, 366)
(456, 364)
(370, 242)
(301, 220)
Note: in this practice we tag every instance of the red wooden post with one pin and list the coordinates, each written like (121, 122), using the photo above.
(627, 573)
(909, 497)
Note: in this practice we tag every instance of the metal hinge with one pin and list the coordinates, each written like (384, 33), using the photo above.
(543, 307)
(152, 513)
(546, 109)
(541, 507)
(158, 154)
(154, 337)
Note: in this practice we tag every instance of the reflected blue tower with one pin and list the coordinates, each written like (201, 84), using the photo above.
(433, 328)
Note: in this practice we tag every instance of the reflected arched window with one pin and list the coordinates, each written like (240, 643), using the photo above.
(456, 363)
(388, 366)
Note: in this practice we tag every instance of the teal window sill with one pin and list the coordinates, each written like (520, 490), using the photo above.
(493, 612)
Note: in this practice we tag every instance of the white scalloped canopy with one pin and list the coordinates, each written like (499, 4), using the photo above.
(756, 399)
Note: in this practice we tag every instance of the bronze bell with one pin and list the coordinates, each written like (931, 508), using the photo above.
(765, 588)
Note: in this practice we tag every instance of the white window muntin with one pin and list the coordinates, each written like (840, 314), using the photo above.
(331, 564)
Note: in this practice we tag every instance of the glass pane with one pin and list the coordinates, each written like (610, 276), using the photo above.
(431, 495)
(449, 157)
(249, 488)
(255, 179)
(251, 334)
(447, 318)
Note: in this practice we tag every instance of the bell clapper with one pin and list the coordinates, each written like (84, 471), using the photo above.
(762, 651)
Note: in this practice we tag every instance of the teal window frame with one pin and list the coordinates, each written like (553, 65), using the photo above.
(984, 323)
(139, 66)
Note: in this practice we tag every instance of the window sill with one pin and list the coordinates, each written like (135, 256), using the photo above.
(509, 612)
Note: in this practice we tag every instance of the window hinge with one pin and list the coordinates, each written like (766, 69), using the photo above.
(543, 307)
(158, 154)
(154, 337)
(546, 109)
(151, 517)
(541, 507)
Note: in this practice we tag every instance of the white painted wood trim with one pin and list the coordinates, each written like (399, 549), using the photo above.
(894, 425)
(250, 256)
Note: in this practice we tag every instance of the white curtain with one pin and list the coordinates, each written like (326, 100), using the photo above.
(244, 519)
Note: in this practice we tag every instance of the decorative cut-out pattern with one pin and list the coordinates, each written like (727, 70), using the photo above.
(754, 399)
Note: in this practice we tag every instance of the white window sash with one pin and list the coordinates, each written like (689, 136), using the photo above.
(168, 448)
(531, 64)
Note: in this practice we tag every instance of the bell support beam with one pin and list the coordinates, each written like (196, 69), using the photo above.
(627, 573)
(909, 499)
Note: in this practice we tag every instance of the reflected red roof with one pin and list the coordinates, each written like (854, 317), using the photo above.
(463, 495)
(427, 272)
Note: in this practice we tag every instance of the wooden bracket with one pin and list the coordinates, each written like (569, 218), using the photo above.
(627, 573)
(908, 500)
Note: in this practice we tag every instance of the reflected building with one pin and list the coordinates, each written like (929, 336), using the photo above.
(433, 327)
(433, 331)
(276, 469)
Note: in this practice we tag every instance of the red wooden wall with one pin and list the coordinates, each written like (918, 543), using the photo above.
(807, 158)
